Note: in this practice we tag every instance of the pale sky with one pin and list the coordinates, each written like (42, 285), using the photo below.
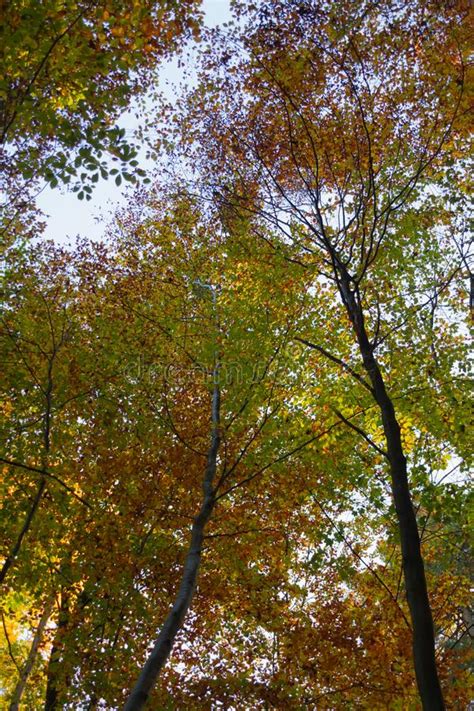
(67, 216)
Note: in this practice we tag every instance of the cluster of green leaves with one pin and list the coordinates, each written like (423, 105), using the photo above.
(68, 70)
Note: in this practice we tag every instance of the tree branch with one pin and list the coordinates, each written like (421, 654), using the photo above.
(336, 360)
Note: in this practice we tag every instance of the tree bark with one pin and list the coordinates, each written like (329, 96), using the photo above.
(52, 699)
(416, 589)
(182, 603)
(20, 687)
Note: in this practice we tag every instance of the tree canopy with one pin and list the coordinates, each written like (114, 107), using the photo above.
(235, 436)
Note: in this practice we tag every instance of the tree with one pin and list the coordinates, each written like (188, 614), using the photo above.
(340, 145)
(148, 425)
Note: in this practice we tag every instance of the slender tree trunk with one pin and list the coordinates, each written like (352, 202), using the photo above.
(20, 687)
(413, 567)
(52, 699)
(182, 603)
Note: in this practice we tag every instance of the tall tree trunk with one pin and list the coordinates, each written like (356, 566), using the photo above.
(182, 603)
(22, 681)
(426, 672)
(52, 699)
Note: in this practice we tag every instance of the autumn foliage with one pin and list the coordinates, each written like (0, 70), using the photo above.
(234, 434)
